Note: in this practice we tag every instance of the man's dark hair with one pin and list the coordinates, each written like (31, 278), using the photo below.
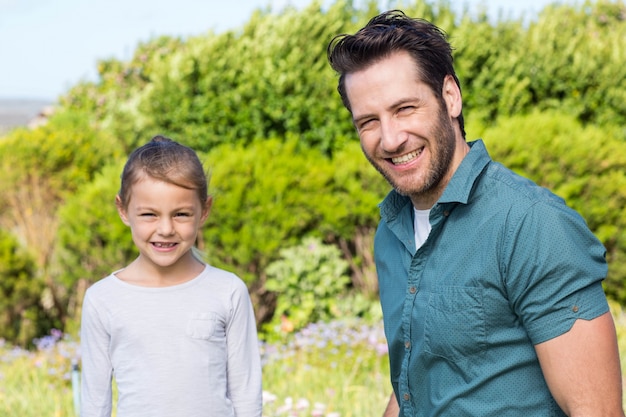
(391, 32)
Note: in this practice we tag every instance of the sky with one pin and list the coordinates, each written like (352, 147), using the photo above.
(48, 46)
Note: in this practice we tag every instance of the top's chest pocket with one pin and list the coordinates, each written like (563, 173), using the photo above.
(455, 326)
(204, 326)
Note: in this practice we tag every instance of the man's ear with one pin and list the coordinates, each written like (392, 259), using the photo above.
(121, 210)
(452, 96)
(207, 208)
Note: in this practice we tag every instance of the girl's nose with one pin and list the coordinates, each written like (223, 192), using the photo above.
(166, 227)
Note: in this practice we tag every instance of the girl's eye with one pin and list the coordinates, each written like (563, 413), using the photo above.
(147, 214)
(183, 214)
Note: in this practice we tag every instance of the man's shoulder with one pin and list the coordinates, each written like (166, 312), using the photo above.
(505, 185)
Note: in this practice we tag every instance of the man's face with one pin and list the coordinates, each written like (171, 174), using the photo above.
(405, 131)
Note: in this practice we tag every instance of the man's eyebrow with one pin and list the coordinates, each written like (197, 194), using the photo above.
(356, 120)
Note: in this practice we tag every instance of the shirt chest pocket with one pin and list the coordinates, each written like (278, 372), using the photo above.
(203, 325)
(454, 325)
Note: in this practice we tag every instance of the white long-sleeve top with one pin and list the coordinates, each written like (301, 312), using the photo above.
(187, 350)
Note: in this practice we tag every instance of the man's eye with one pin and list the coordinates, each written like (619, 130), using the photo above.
(365, 123)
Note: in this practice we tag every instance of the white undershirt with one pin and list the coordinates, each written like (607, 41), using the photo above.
(421, 226)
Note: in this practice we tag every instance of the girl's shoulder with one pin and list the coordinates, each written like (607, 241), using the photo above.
(217, 276)
(106, 282)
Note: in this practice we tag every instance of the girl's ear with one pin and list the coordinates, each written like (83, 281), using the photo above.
(207, 208)
(121, 210)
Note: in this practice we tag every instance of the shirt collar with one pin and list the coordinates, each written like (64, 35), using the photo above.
(462, 182)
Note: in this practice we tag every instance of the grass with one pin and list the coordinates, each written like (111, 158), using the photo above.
(38, 383)
(334, 369)
(338, 369)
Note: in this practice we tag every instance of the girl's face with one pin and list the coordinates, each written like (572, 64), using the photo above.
(164, 220)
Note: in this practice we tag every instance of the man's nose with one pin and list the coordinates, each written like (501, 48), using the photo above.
(392, 136)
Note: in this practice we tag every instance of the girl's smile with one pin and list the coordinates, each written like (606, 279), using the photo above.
(164, 220)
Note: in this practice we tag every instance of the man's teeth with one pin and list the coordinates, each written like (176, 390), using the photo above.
(164, 245)
(406, 158)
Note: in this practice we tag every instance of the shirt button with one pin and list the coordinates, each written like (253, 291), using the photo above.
(407, 344)
(412, 290)
(406, 396)
(446, 213)
(575, 309)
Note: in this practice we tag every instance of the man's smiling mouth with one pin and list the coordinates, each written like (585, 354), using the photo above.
(399, 160)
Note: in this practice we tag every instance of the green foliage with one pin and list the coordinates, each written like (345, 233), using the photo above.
(358, 187)
(272, 194)
(270, 77)
(112, 104)
(21, 314)
(574, 56)
(66, 152)
(265, 198)
(570, 58)
(266, 79)
(308, 279)
(92, 241)
(584, 165)
(351, 223)
(40, 168)
(490, 71)
(619, 315)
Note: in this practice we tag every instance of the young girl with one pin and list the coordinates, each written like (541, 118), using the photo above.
(178, 335)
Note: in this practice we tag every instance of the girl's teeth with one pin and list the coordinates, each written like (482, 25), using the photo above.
(163, 245)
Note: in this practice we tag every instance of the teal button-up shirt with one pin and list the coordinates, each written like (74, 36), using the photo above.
(507, 265)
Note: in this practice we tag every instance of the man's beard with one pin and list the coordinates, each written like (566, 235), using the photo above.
(439, 164)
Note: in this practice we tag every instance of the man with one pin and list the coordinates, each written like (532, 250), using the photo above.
(490, 285)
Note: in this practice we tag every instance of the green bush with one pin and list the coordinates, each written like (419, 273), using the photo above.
(308, 279)
(265, 79)
(270, 77)
(40, 168)
(272, 194)
(22, 316)
(569, 58)
(92, 241)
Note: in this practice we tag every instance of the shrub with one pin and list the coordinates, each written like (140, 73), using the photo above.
(308, 279)
(22, 316)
